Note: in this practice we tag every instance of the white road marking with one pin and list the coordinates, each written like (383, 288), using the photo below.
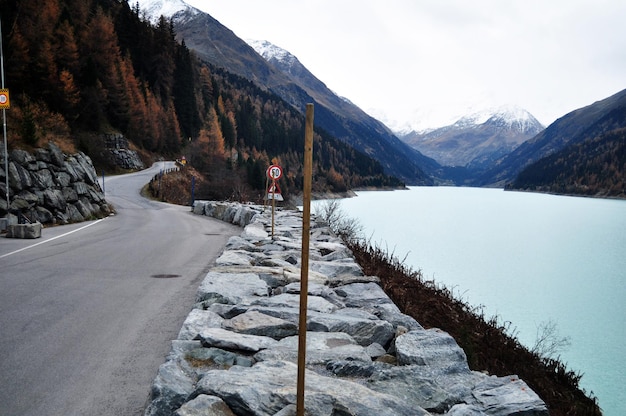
(51, 239)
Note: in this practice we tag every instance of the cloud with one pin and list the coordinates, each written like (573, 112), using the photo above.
(403, 58)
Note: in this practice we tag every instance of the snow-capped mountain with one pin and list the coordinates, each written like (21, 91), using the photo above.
(477, 139)
(509, 117)
(154, 9)
(271, 52)
(290, 80)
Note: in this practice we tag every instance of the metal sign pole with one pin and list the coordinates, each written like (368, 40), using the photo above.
(4, 126)
(273, 204)
(304, 270)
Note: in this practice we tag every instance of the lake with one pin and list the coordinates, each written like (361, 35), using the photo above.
(527, 258)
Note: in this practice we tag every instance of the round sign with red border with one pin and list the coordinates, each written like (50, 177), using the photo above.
(4, 98)
(274, 172)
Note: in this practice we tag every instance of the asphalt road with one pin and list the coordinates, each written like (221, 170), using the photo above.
(87, 312)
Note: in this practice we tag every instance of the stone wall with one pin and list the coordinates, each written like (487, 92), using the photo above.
(51, 187)
(236, 352)
(121, 155)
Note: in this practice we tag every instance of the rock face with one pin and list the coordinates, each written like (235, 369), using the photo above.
(237, 351)
(51, 187)
(120, 153)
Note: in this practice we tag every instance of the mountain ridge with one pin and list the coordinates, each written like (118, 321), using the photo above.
(476, 140)
(215, 43)
(571, 129)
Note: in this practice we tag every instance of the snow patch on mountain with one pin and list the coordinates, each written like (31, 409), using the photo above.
(270, 52)
(511, 116)
(425, 120)
(154, 9)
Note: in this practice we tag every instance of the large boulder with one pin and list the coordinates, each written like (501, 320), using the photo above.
(268, 388)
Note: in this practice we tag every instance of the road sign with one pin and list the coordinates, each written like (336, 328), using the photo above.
(274, 172)
(4, 99)
(274, 188)
(274, 192)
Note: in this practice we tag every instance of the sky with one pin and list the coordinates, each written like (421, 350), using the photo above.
(425, 63)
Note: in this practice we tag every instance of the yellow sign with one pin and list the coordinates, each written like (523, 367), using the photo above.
(4, 99)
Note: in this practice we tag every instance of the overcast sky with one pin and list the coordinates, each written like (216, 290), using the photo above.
(424, 62)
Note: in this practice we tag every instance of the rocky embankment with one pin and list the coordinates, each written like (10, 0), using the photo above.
(51, 187)
(236, 352)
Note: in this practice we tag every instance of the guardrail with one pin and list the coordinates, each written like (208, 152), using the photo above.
(155, 183)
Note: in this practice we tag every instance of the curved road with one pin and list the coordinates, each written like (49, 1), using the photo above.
(87, 312)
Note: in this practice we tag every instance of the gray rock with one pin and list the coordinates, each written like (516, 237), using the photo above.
(81, 188)
(43, 215)
(42, 155)
(53, 200)
(286, 300)
(170, 390)
(22, 157)
(69, 194)
(390, 313)
(245, 215)
(465, 410)
(237, 243)
(221, 338)
(212, 357)
(19, 178)
(42, 179)
(84, 208)
(504, 396)
(375, 350)
(74, 214)
(414, 390)
(204, 405)
(57, 157)
(89, 173)
(236, 258)
(27, 231)
(198, 207)
(257, 323)
(270, 387)
(255, 231)
(63, 179)
(321, 348)
(231, 288)
(364, 331)
(20, 204)
(337, 269)
(363, 295)
(431, 347)
(196, 321)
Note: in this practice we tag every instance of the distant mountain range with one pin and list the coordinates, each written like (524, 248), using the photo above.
(291, 81)
(489, 148)
(476, 140)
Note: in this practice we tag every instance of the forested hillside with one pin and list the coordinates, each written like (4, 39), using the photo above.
(80, 68)
(596, 167)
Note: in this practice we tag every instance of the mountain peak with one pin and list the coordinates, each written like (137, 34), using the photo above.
(268, 50)
(506, 116)
(154, 9)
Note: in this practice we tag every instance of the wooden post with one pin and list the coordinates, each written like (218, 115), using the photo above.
(304, 270)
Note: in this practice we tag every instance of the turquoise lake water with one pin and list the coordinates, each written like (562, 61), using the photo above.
(527, 258)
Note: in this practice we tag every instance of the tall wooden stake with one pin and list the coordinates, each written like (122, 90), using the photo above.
(304, 270)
